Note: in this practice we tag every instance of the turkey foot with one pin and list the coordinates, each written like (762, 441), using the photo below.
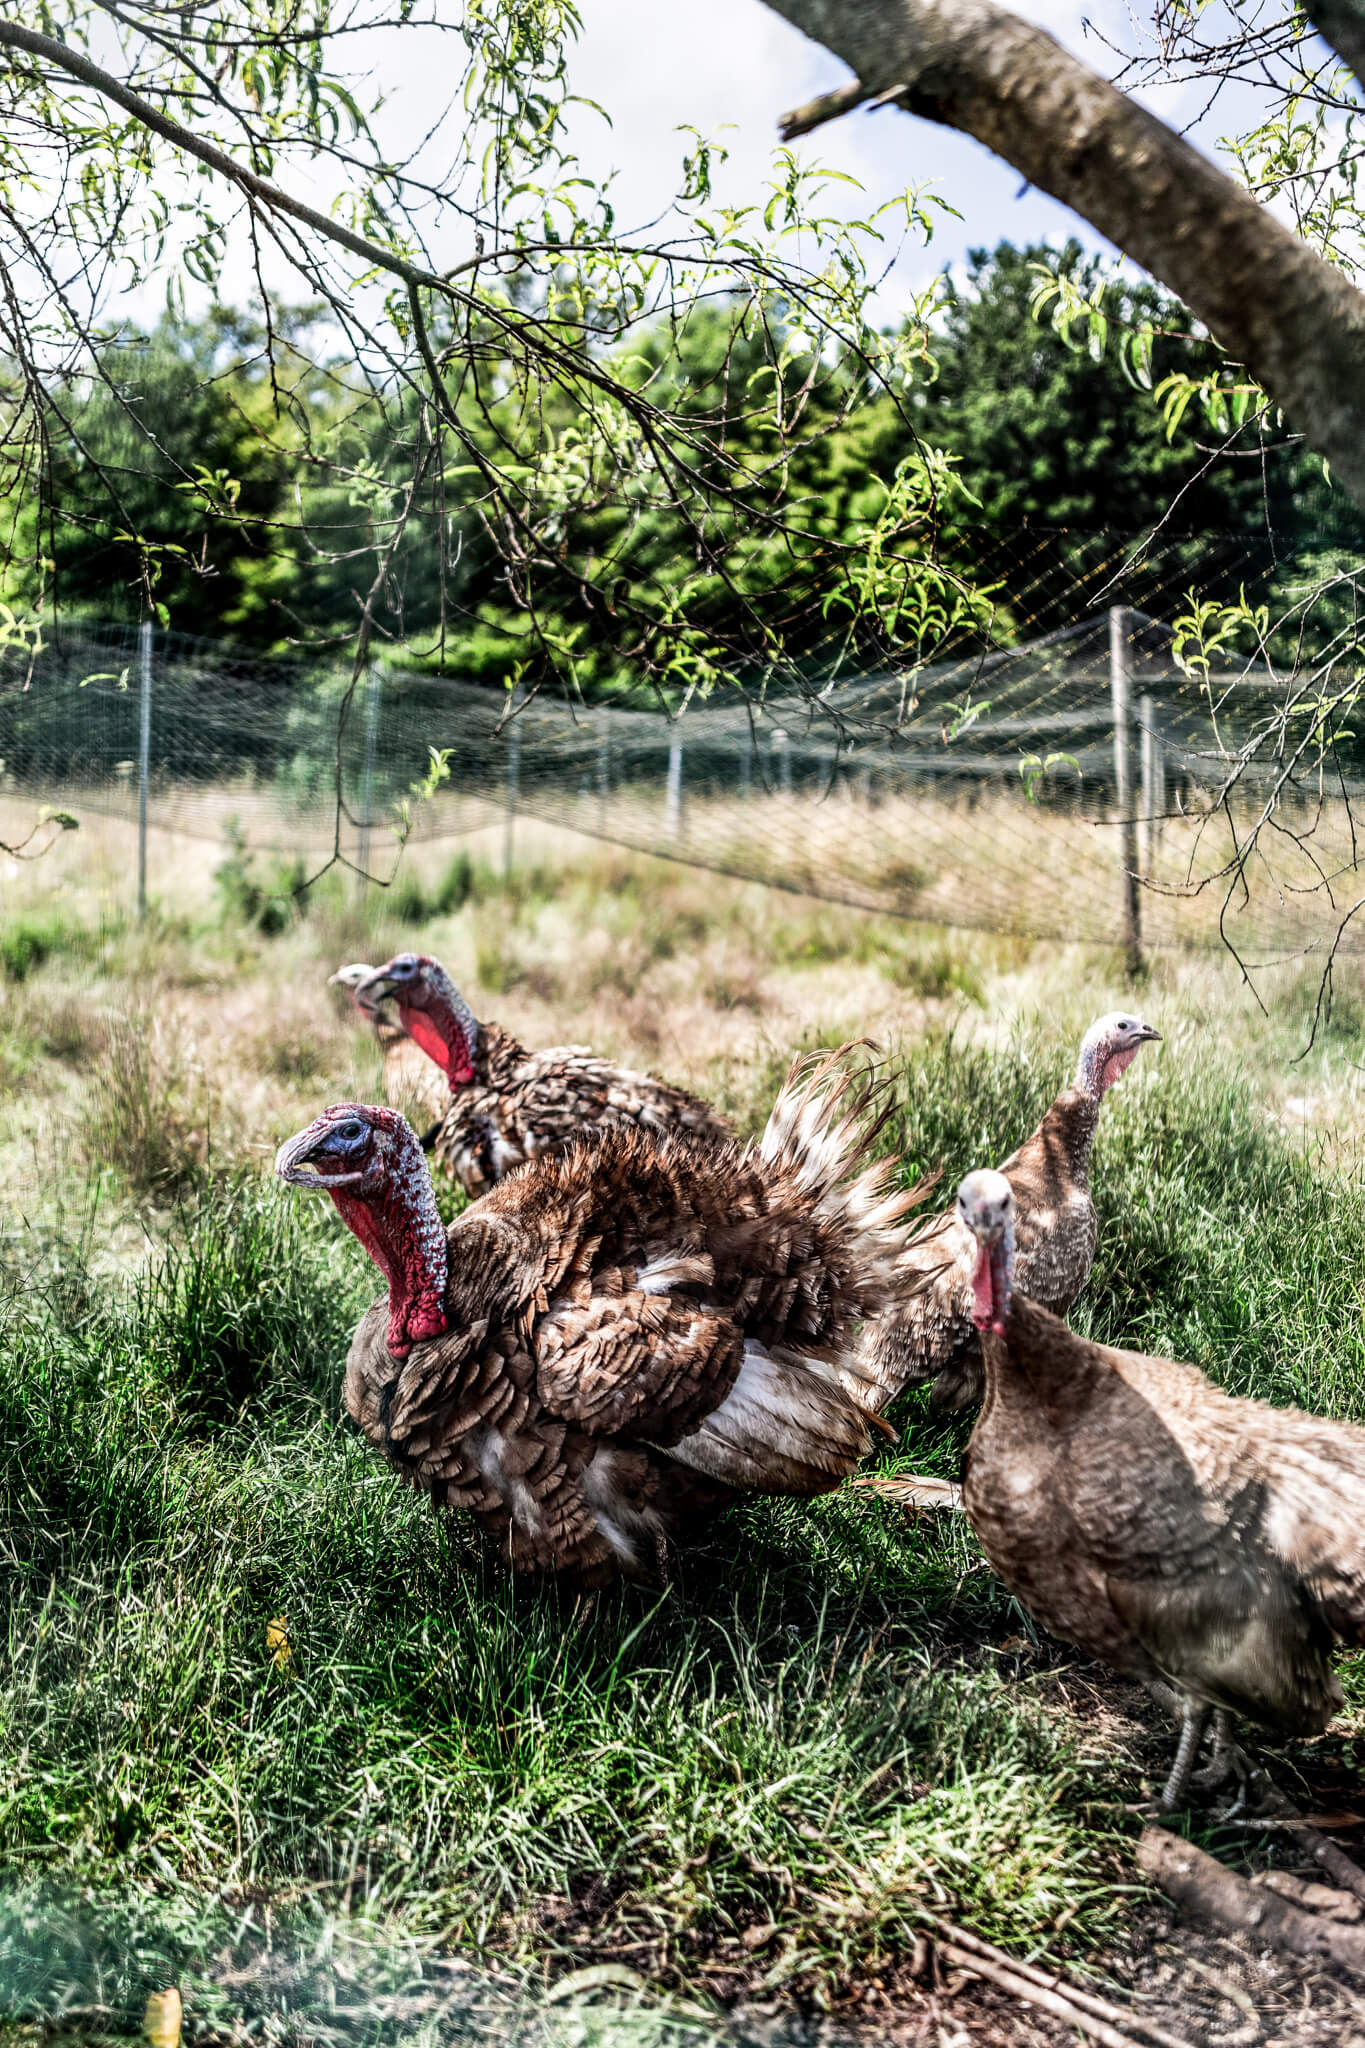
(1194, 1720)
(1229, 1763)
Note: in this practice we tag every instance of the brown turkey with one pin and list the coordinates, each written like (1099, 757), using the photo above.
(615, 1341)
(508, 1105)
(1210, 1546)
(931, 1335)
(410, 1081)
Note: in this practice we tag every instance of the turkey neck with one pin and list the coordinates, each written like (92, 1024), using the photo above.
(442, 1023)
(1039, 1365)
(1070, 1125)
(497, 1057)
(401, 1229)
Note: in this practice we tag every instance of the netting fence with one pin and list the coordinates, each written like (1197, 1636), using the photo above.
(1078, 783)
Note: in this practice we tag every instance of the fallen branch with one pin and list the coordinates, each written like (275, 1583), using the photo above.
(1314, 1898)
(979, 1951)
(1338, 1865)
(1009, 1977)
(1199, 1884)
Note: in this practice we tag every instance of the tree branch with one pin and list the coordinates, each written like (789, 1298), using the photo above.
(260, 189)
(1272, 303)
(1341, 24)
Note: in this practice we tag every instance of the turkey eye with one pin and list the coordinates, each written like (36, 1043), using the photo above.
(351, 1130)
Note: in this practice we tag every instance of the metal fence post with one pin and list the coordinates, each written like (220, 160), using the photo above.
(673, 789)
(144, 764)
(373, 691)
(1153, 783)
(1121, 691)
(512, 787)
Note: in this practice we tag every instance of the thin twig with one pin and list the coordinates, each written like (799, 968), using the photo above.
(1051, 1980)
(1018, 1986)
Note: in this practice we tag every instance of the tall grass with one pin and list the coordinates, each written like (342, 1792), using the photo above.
(243, 1667)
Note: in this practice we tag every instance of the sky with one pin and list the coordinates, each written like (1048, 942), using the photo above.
(739, 66)
(729, 68)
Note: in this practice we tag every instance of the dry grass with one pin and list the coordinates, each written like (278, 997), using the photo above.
(708, 980)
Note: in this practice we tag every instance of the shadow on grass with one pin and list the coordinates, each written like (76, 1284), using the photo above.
(243, 1665)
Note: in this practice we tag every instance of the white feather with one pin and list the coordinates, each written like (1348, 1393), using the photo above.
(779, 1410)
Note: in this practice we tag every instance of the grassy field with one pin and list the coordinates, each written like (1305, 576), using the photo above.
(272, 1730)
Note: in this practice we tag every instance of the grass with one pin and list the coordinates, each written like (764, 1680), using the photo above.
(259, 1707)
(771, 1748)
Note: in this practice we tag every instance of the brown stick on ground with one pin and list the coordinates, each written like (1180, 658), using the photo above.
(1338, 1865)
(1200, 1885)
(1032, 1994)
(1052, 1980)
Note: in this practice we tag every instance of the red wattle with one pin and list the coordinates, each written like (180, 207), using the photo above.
(983, 1292)
(414, 1312)
(1116, 1064)
(450, 1054)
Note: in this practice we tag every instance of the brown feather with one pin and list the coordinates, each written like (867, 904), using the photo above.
(531, 1105)
(1180, 1534)
(643, 1324)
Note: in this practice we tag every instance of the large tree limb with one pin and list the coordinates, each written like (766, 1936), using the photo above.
(1273, 304)
(1342, 24)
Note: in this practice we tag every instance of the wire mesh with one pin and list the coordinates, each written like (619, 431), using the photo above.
(1005, 786)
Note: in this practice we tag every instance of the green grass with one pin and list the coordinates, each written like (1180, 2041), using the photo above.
(28, 940)
(777, 1744)
(775, 1769)
(1220, 1241)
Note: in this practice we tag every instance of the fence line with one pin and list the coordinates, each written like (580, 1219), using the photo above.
(1075, 785)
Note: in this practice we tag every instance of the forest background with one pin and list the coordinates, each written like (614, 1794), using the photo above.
(251, 473)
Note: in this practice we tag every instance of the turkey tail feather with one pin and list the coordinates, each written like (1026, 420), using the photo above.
(831, 1109)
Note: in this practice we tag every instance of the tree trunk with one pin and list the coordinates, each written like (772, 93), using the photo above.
(1270, 301)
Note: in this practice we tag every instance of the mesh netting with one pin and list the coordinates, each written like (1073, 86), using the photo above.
(1005, 787)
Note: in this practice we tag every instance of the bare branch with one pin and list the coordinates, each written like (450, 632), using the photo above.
(259, 189)
(827, 106)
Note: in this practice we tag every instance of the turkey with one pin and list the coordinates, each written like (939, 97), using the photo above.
(409, 1081)
(931, 1335)
(508, 1105)
(1212, 1547)
(615, 1341)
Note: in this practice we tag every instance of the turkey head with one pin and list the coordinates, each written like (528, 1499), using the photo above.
(433, 1012)
(369, 1161)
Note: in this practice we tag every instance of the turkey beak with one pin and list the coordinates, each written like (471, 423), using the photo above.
(1147, 1032)
(292, 1163)
(345, 977)
(374, 990)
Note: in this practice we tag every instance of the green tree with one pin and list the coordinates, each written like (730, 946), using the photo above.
(1048, 433)
(508, 388)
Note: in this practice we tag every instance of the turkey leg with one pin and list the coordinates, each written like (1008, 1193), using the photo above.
(1196, 1720)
